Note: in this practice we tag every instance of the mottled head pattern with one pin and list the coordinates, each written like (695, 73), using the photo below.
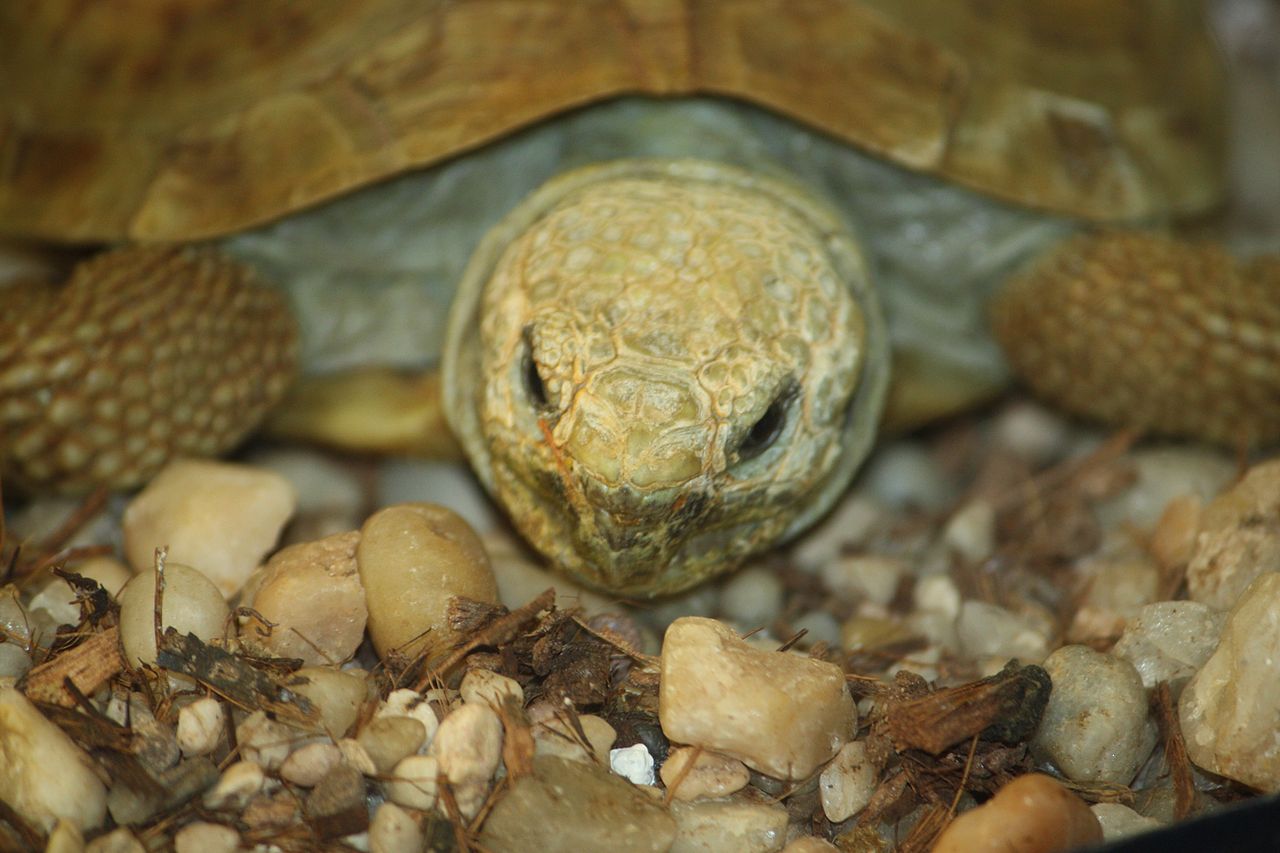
(668, 356)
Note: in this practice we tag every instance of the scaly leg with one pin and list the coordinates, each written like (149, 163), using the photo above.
(1140, 330)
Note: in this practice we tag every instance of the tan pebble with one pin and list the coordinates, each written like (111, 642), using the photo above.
(312, 594)
(1169, 641)
(468, 746)
(555, 736)
(308, 764)
(726, 826)
(409, 703)
(265, 741)
(65, 838)
(386, 740)
(354, 754)
(859, 577)
(988, 630)
(336, 693)
(1031, 814)
(218, 517)
(691, 774)
(190, 604)
(810, 844)
(413, 559)
(393, 830)
(1174, 537)
(777, 712)
(203, 837)
(971, 531)
(200, 726)
(490, 688)
(412, 782)
(236, 786)
(1239, 538)
(847, 783)
(120, 840)
(1120, 821)
(1230, 710)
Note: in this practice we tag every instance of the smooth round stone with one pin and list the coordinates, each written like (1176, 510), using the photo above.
(848, 782)
(864, 577)
(847, 526)
(1230, 710)
(810, 844)
(412, 783)
(569, 807)
(1164, 473)
(1031, 814)
(1095, 727)
(988, 630)
(1170, 641)
(779, 713)
(220, 518)
(120, 840)
(389, 739)
(65, 838)
(202, 837)
(57, 597)
(191, 605)
(33, 748)
(1239, 538)
(200, 726)
(307, 765)
(821, 626)
(393, 830)
(337, 695)
(555, 736)
(312, 593)
(490, 688)
(1029, 430)
(468, 746)
(971, 531)
(1119, 821)
(693, 774)
(409, 703)
(752, 597)
(905, 475)
(264, 741)
(726, 826)
(413, 559)
(236, 786)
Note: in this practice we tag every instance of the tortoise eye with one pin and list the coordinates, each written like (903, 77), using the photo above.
(765, 431)
(534, 387)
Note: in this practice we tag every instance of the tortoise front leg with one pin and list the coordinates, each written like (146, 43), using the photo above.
(1140, 330)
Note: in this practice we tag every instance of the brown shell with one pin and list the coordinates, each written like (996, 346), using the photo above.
(176, 119)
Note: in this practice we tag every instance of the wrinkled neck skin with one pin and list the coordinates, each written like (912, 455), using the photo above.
(666, 371)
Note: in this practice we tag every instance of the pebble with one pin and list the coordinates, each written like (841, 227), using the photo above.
(236, 786)
(1162, 474)
(1169, 641)
(694, 774)
(413, 559)
(1031, 814)
(1095, 727)
(848, 782)
(777, 712)
(633, 763)
(312, 592)
(468, 746)
(409, 703)
(264, 741)
(904, 475)
(40, 516)
(568, 807)
(490, 688)
(354, 755)
(810, 844)
(1239, 538)
(200, 726)
(821, 626)
(752, 596)
(386, 740)
(204, 837)
(337, 695)
(989, 631)
(191, 604)
(310, 763)
(864, 577)
(727, 826)
(937, 594)
(57, 597)
(555, 736)
(847, 526)
(393, 830)
(117, 841)
(1120, 821)
(970, 533)
(330, 495)
(1230, 710)
(218, 517)
(1032, 432)
(1173, 539)
(66, 837)
(412, 783)
(1116, 586)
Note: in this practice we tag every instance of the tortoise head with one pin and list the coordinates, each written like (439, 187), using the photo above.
(661, 367)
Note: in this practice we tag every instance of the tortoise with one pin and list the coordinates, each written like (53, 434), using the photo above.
(683, 242)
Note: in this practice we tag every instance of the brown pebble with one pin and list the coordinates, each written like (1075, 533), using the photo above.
(1031, 814)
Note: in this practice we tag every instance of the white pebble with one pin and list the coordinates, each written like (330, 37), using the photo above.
(1031, 431)
(409, 703)
(31, 747)
(354, 754)
(1169, 641)
(752, 597)
(202, 837)
(1238, 539)
(1119, 821)
(848, 526)
(265, 741)
(394, 831)
(308, 764)
(847, 783)
(938, 594)
(1096, 727)
(821, 626)
(987, 630)
(119, 840)
(905, 475)
(971, 531)
(777, 712)
(200, 726)
(633, 763)
(859, 577)
(217, 517)
(235, 787)
(190, 604)
(1230, 710)
(691, 773)
(412, 783)
(386, 740)
(490, 688)
(336, 694)
(468, 746)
